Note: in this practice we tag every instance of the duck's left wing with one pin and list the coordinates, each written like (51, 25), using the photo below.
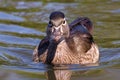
(40, 49)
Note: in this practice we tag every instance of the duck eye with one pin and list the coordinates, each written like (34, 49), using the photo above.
(64, 22)
(50, 24)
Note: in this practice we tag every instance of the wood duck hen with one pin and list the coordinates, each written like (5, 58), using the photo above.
(67, 44)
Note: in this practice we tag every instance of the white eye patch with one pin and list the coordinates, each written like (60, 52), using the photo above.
(64, 22)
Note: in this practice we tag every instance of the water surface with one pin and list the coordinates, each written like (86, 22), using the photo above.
(23, 24)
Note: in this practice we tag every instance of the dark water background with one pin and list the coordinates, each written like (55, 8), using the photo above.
(22, 26)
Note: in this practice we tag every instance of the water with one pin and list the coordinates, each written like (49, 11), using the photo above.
(22, 26)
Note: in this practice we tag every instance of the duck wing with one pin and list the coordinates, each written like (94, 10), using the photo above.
(40, 49)
(83, 21)
(80, 39)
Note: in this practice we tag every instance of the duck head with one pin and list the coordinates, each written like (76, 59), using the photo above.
(57, 27)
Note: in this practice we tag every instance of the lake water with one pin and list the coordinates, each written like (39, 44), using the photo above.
(23, 24)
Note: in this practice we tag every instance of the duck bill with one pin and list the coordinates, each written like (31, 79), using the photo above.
(56, 33)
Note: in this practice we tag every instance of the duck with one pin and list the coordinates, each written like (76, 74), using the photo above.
(67, 43)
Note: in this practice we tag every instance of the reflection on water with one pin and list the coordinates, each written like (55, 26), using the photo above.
(59, 74)
(64, 72)
(22, 26)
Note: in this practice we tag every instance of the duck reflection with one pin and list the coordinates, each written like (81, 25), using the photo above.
(59, 74)
(65, 73)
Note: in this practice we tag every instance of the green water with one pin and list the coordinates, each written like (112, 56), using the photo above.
(23, 24)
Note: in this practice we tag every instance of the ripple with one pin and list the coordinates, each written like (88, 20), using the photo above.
(15, 56)
(109, 54)
(19, 29)
(59, 6)
(115, 11)
(17, 40)
(6, 16)
(116, 42)
(27, 5)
